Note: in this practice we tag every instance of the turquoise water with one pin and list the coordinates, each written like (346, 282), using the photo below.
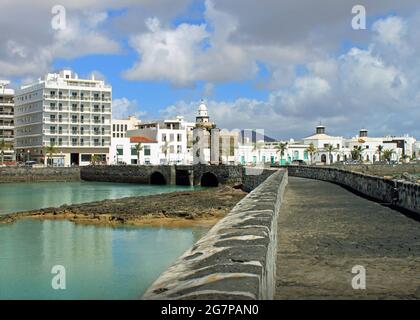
(16, 197)
(99, 262)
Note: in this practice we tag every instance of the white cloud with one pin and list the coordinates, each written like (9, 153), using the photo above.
(189, 53)
(122, 108)
(375, 88)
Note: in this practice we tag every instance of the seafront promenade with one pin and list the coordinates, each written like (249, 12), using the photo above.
(326, 230)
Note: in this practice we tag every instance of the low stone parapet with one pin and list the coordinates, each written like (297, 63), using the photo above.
(236, 259)
(25, 174)
(401, 194)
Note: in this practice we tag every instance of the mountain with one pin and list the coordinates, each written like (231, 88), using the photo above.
(253, 136)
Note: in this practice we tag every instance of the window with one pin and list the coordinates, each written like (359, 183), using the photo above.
(178, 149)
(171, 137)
(146, 150)
(179, 137)
(118, 127)
(113, 127)
(163, 136)
(120, 150)
(133, 152)
(86, 157)
(52, 141)
(133, 161)
(125, 127)
(171, 149)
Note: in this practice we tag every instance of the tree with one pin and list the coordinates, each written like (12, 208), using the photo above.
(281, 147)
(388, 154)
(165, 148)
(139, 148)
(258, 146)
(95, 159)
(3, 146)
(356, 153)
(330, 149)
(50, 151)
(380, 150)
(311, 149)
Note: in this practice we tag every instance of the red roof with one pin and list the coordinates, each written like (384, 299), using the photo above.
(141, 139)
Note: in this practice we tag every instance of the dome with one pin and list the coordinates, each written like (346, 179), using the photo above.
(202, 107)
(202, 110)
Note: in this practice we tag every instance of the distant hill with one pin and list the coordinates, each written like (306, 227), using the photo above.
(254, 136)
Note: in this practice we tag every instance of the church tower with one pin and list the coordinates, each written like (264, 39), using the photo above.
(202, 114)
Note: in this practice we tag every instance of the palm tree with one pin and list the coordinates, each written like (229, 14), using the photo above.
(380, 149)
(388, 154)
(258, 146)
(311, 149)
(281, 147)
(50, 151)
(356, 153)
(3, 146)
(139, 147)
(95, 159)
(330, 149)
(165, 148)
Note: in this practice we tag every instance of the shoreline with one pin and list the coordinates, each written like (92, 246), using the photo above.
(173, 209)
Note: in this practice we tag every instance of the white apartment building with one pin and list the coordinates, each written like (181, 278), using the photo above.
(6, 120)
(72, 114)
(172, 140)
(120, 127)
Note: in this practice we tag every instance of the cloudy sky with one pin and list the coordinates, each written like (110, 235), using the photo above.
(282, 66)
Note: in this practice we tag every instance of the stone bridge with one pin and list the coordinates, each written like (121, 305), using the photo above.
(199, 175)
(299, 235)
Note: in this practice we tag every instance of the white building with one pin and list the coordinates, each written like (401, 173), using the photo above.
(120, 127)
(70, 113)
(6, 120)
(172, 136)
(124, 151)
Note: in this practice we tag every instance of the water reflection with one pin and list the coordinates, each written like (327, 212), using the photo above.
(100, 262)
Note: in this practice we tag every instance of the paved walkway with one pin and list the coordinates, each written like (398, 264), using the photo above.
(325, 230)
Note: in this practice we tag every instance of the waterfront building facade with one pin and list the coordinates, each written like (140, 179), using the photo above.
(134, 150)
(6, 121)
(120, 127)
(71, 114)
(172, 138)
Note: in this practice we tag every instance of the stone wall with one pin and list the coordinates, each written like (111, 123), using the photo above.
(253, 177)
(236, 259)
(226, 174)
(401, 194)
(126, 174)
(382, 169)
(24, 174)
(249, 178)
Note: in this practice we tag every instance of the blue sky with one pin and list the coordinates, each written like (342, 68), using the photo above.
(281, 66)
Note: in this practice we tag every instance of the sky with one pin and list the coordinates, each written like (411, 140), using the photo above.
(281, 66)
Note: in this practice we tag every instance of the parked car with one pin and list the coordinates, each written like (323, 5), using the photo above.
(299, 162)
(30, 163)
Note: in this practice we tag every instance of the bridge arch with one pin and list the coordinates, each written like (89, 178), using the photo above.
(157, 178)
(209, 179)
